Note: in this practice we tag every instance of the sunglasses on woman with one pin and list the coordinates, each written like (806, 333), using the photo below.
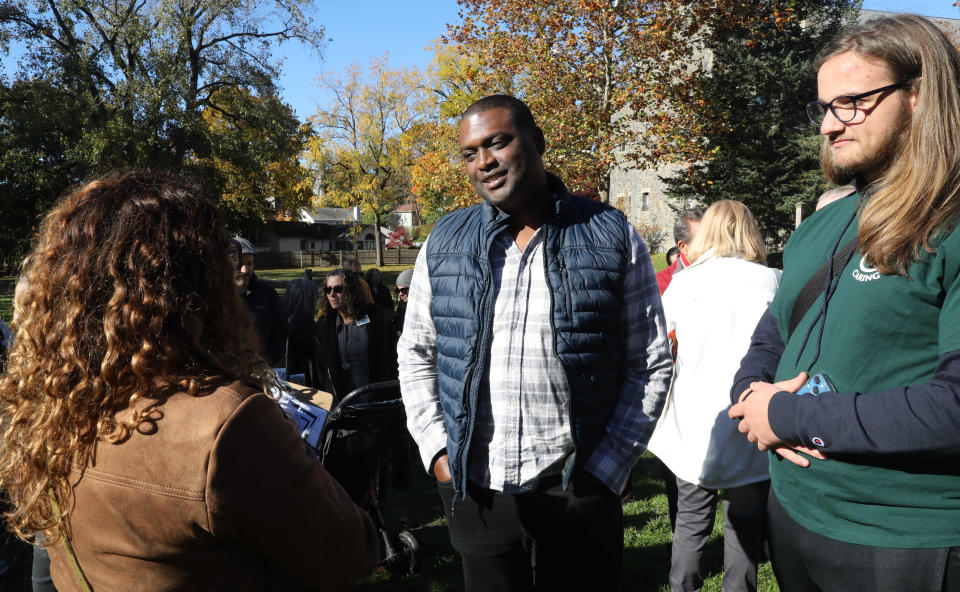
(334, 289)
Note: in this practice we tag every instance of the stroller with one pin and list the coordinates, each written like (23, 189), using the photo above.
(371, 414)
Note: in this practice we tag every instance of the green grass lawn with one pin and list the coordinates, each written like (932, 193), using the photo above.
(6, 307)
(646, 538)
(659, 261)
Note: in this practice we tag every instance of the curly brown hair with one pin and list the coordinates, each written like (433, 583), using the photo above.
(129, 297)
(353, 301)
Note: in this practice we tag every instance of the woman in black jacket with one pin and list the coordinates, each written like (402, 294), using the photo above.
(354, 343)
(355, 348)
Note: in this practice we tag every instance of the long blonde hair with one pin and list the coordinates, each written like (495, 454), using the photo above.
(919, 194)
(128, 296)
(728, 229)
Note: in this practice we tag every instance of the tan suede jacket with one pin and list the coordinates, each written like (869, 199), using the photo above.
(220, 493)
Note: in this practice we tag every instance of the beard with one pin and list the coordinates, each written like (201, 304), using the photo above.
(836, 174)
(874, 165)
(844, 174)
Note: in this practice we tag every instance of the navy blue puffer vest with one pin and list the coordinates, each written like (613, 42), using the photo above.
(586, 248)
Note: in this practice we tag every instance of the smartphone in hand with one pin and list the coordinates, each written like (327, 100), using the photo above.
(816, 384)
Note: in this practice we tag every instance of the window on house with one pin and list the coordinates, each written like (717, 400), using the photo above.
(622, 202)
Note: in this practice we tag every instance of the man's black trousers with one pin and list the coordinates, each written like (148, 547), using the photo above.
(546, 540)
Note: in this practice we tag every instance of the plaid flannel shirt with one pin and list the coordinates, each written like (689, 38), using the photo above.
(522, 430)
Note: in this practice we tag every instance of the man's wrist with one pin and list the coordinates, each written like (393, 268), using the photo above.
(601, 466)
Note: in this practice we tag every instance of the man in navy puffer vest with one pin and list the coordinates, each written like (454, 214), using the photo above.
(533, 363)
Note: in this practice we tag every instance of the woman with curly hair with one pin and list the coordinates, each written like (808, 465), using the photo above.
(133, 436)
(355, 344)
(355, 349)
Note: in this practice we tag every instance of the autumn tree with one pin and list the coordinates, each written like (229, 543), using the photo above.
(358, 152)
(137, 79)
(255, 145)
(716, 87)
(581, 66)
(748, 107)
(438, 182)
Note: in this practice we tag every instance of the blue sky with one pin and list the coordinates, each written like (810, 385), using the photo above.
(360, 30)
(944, 8)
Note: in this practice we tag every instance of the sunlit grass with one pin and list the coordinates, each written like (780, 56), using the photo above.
(646, 541)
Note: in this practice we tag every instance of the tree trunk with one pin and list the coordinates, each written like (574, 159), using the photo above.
(379, 239)
(603, 187)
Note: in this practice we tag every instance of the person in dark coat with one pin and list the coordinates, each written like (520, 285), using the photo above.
(354, 349)
(6, 335)
(403, 291)
(264, 304)
(354, 345)
(381, 294)
(300, 301)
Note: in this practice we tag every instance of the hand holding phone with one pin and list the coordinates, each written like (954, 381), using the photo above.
(818, 383)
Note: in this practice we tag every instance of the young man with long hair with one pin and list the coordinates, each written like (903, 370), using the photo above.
(865, 477)
(135, 435)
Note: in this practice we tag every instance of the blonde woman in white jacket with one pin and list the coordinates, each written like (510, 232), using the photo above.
(713, 306)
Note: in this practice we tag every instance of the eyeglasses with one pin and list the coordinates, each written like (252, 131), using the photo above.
(334, 289)
(403, 290)
(844, 108)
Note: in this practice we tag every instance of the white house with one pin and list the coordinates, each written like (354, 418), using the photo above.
(285, 237)
(404, 215)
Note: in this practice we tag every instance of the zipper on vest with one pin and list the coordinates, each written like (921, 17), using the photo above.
(476, 375)
(565, 276)
(565, 286)
(472, 381)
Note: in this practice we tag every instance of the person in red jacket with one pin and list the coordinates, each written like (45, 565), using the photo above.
(684, 230)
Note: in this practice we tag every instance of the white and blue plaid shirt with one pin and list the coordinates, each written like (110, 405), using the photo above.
(522, 431)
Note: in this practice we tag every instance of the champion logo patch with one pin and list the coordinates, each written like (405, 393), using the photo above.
(818, 441)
